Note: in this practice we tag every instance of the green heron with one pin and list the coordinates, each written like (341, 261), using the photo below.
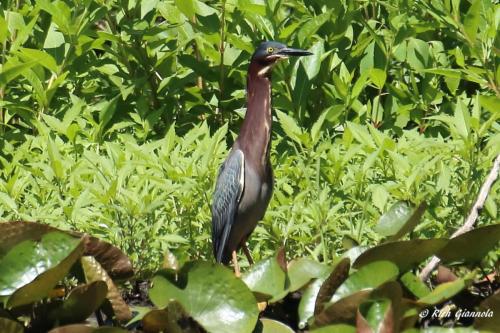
(245, 181)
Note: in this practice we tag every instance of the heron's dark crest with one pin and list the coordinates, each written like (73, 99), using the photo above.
(245, 180)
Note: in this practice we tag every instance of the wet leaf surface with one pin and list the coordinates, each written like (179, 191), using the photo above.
(446, 290)
(266, 325)
(267, 278)
(400, 219)
(369, 276)
(405, 254)
(30, 270)
(472, 246)
(210, 294)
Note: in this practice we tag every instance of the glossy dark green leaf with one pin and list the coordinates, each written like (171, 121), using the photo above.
(400, 219)
(369, 276)
(31, 268)
(266, 325)
(267, 278)
(15, 232)
(472, 246)
(446, 290)
(414, 284)
(301, 271)
(375, 315)
(209, 293)
(320, 290)
(405, 254)
(342, 311)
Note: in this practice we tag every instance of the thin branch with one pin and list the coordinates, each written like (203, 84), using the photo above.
(471, 219)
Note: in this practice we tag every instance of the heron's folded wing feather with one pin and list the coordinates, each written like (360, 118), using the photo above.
(228, 191)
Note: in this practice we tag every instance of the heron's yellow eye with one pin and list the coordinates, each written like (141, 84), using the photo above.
(270, 50)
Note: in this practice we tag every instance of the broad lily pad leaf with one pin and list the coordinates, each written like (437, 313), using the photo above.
(446, 290)
(484, 239)
(15, 232)
(326, 284)
(81, 328)
(338, 328)
(354, 252)
(342, 311)
(94, 272)
(331, 284)
(405, 254)
(10, 326)
(369, 276)
(414, 284)
(81, 302)
(375, 316)
(210, 294)
(383, 310)
(266, 325)
(32, 268)
(267, 278)
(490, 307)
(301, 271)
(400, 219)
(168, 319)
(111, 258)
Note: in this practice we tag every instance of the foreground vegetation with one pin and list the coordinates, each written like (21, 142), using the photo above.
(115, 115)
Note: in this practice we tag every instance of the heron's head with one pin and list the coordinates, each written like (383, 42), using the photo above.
(269, 53)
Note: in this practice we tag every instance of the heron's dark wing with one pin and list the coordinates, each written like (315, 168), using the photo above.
(228, 191)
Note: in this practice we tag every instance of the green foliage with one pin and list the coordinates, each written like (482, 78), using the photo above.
(115, 115)
(41, 263)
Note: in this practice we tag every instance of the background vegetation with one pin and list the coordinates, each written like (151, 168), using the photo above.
(115, 115)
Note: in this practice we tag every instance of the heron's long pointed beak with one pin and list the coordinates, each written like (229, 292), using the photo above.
(287, 51)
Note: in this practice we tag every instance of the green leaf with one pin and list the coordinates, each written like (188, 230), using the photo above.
(310, 27)
(8, 201)
(378, 77)
(31, 269)
(446, 290)
(266, 325)
(290, 127)
(267, 278)
(187, 7)
(459, 249)
(400, 219)
(81, 302)
(43, 58)
(369, 276)
(341, 311)
(211, 294)
(490, 103)
(4, 32)
(405, 254)
(472, 20)
(13, 69)
(414, 284)
(301, 271)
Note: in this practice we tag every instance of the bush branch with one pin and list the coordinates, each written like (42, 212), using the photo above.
(471, 219)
